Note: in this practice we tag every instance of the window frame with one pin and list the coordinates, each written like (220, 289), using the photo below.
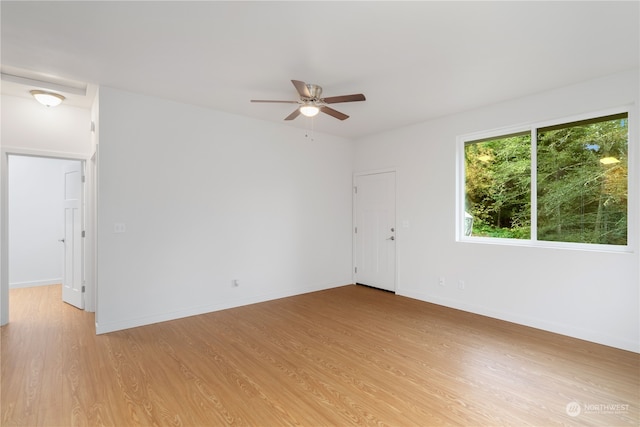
(532, 127)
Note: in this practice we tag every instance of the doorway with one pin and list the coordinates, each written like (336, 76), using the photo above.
(375, 230)
(45, 238)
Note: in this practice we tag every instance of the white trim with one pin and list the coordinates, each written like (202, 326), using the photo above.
(19, 151)
(90, 240)
(374, 172)
(632, 186)
(543, 244)
(4, 241)
(533, 188)
(584, 116)
(34, 283)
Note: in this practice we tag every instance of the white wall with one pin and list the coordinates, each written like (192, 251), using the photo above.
(32, 129)
(30, 126)
(36, 191)
(207, 197)
(589, 295)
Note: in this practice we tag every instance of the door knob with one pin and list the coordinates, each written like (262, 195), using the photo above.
(391, 238)
(61, 240)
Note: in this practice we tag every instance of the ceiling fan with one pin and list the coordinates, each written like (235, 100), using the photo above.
(311, 102)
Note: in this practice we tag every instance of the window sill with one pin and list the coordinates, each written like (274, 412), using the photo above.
(585, 247)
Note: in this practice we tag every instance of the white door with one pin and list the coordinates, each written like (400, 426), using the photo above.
(375, 230)
(73, 263)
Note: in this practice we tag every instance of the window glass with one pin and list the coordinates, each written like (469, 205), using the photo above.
(582, 181)
(498, 187)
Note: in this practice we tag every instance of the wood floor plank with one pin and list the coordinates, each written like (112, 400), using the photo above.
(345, 356)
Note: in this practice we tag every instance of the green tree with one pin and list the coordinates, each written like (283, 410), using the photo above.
(582, 177)
(580, 199)
(498, 186)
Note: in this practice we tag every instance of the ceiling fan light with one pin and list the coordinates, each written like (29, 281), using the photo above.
(309, 110)
(48, 99)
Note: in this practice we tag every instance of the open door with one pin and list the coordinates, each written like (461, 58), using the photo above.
(72, 274)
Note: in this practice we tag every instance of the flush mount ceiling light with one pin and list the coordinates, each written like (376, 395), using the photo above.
(609, 160)
(48, 99)
(309, 110)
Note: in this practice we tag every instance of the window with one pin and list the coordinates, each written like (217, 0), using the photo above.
(562, 183)
(498, 186)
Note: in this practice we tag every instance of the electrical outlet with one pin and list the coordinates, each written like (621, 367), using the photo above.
(441, 281)
(119, 227)
(461, 284)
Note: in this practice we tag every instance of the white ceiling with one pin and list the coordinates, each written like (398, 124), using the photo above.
(413, 60)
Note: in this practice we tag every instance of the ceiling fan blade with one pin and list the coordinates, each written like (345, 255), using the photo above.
(270, 100)
(337, 114)
(344, 98)
(302, 88)
(293, 115)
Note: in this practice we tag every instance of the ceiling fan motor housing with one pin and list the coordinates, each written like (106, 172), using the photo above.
(310, 100)
(315, 91)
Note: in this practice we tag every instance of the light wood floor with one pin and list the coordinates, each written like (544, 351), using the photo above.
(346, 356)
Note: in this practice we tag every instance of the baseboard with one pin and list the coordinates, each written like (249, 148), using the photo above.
(106, 327)
(557, 328)
(34, 283)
